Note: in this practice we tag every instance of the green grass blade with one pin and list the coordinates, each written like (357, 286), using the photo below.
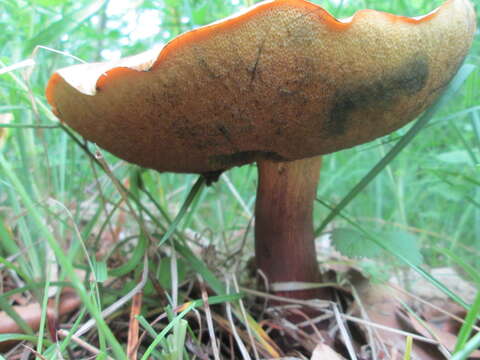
(29, 126)
(200, 268)
(467, 327)
(165, 331)
(191, 305)
(194, 191)
(62, 258)
(408, 348)
(469, 348)
(385, 246)
(43, 315)
(469, 269)
(146, 325)
(133, 261)
(476, 126)
(68, 23)
(17, 337)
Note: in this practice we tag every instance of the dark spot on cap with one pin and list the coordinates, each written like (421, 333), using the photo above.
(405, 81)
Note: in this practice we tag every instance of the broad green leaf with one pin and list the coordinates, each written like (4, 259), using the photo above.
(405, 244)
(354, 244)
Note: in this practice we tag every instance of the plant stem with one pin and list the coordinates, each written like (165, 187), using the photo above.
(284, 239)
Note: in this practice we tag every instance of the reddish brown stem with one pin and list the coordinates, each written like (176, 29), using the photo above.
(284, 240)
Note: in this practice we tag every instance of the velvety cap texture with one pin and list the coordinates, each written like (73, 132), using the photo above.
(283, 80)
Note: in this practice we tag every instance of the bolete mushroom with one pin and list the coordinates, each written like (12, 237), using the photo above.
(278, 84)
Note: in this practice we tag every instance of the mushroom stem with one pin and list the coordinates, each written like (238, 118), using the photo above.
(284, 239)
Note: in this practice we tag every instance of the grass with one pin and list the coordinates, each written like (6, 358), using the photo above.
(70, 212)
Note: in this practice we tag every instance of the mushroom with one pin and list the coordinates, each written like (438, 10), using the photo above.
(279, 84)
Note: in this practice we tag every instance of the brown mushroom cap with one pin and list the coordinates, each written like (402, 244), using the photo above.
(283, 81)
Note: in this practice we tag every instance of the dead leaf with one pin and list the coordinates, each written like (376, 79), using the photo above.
(380, 305)
(69, 301)
(445, 338)
(325, 352)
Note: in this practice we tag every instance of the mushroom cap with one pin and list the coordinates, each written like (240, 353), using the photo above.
(283, 80)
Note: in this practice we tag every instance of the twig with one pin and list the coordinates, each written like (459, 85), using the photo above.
(245, 320)
(343, 330)
(133, 328)
(240, 344)
(208, 316)
(120, 302)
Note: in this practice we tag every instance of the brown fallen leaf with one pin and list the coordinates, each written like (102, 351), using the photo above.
(445, 338)
(31, 313)
(380, 304)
